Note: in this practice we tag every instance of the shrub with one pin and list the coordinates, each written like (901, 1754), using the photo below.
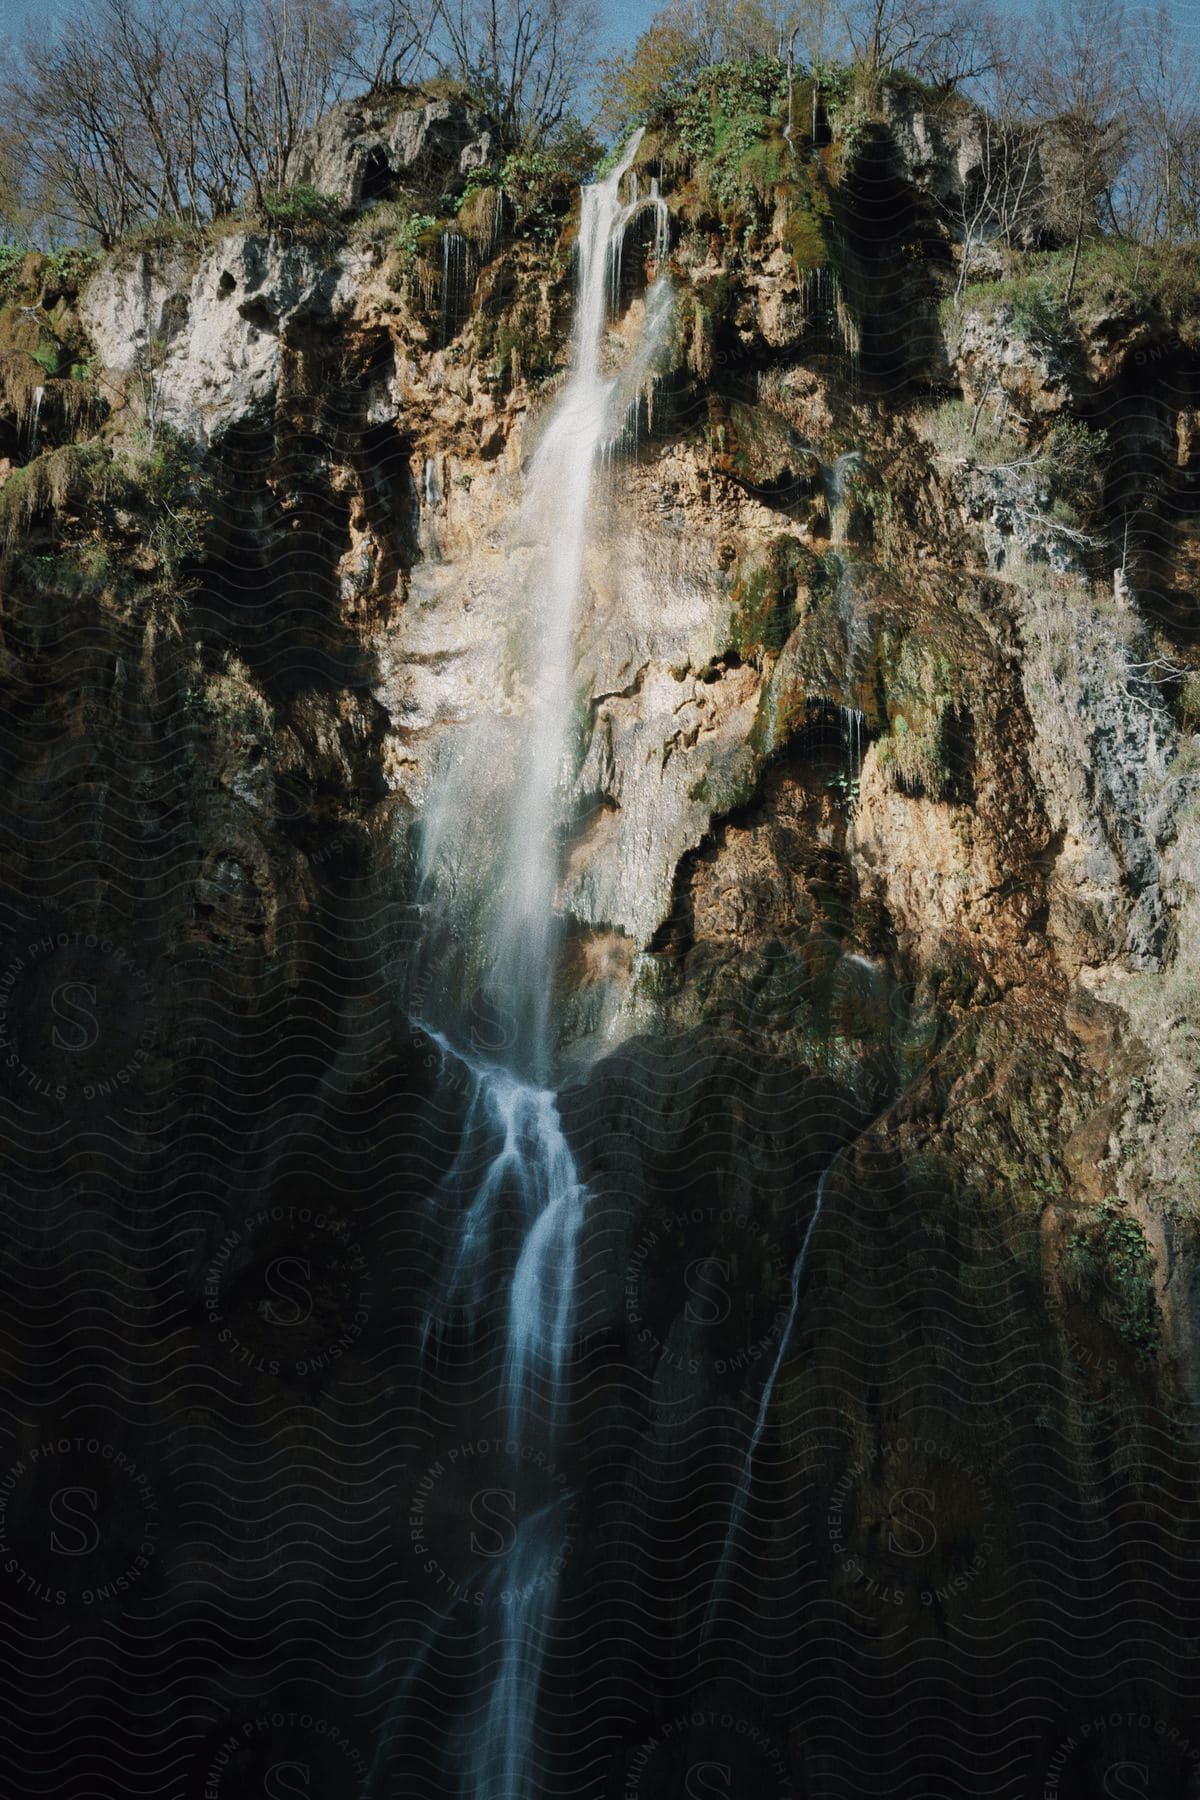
(12, 257)
(297, 207)
(418, 235)
(948, 429)
(68, 267)
(539, 193)
(162, 484)
(1108, 1261)
(1075, 464)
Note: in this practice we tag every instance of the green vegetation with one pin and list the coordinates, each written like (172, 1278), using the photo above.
(12, 258)
(68, 267)
(1108, 1263)
(60, 481)
(923, 753)
(418, 235)
(161, 481)
(1155, 283)
(92, 500)
(764, 598)
(232, 704)
(297, 209)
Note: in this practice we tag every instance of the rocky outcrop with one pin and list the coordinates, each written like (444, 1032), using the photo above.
(376, 146)
(197, 343)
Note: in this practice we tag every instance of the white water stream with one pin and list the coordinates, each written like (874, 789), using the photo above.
(529, 1194)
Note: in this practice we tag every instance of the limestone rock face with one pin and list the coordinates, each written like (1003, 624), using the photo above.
(362, 148)
(199, 348)
(940, 151)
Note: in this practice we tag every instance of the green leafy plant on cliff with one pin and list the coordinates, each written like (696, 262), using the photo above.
(12, 258)
(69, 266)
(163, 485)
(1108, 1262)
(297, 208)
(417, 235)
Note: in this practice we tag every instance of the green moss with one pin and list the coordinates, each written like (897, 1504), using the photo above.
(920, 697)
(764, 599)
(1107, 1262)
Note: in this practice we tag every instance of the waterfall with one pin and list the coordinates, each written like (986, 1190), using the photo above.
(39, 394)
(852, 731)
(834, 478)
(456, 284)
(493, 819)
(512, 1197)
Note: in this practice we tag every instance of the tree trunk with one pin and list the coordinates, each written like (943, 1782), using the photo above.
(1075, 251)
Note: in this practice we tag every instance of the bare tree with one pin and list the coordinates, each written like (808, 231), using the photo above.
(1155, 196)
(524, 59)
(1081, 76)
(1001, 199)
(281, 64)
(392, 42)
(139, 110)
(942, 41)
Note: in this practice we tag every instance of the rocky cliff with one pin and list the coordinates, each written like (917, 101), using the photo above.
(883, 925)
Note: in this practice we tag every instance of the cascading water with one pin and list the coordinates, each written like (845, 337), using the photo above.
(457, 278)
(513, 1191)
(39, 395)
(834, 476)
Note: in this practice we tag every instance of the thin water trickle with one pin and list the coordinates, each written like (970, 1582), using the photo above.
(746, 1474)
(457, 280)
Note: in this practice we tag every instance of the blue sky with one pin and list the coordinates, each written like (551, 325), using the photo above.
(622, 19)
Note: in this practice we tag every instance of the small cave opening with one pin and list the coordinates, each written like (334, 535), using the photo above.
(257, 315)
(377, 178)
(226, 285)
